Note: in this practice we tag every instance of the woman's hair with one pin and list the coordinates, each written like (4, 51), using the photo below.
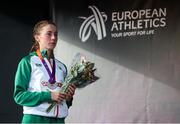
(38, 26)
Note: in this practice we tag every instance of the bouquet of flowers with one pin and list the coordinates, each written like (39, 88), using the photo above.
(81, 74)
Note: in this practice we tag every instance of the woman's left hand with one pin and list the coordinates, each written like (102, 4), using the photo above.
(70, 92)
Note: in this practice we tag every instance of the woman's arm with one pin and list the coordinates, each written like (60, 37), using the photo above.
(21, 95)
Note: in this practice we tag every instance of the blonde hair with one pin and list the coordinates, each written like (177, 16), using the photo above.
(38, 26)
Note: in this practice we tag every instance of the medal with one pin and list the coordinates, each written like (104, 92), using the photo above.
(52, 86)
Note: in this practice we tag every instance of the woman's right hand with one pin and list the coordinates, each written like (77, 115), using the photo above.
(57, 96)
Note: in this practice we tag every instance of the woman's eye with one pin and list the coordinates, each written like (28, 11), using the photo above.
(51, 34)
(55, 34)
(48, 34)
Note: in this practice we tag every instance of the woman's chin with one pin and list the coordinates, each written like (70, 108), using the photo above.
(51, 48)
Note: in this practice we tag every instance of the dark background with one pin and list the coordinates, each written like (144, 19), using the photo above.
(17, 19)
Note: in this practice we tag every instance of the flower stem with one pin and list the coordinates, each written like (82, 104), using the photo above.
(50, 107)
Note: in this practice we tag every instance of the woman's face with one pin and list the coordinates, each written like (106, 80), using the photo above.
(47, 37)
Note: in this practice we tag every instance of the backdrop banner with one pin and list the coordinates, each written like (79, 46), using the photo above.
(136, 48)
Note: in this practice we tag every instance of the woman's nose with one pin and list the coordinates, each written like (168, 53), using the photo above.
(53, 36)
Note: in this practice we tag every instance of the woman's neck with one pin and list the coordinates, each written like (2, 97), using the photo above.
(50, 53)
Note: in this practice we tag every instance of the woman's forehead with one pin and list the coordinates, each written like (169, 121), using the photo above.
(49, 27)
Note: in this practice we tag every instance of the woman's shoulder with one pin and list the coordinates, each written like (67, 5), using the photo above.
(27, 57)
(61, 64)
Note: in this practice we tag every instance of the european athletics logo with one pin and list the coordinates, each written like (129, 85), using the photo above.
(95, 22)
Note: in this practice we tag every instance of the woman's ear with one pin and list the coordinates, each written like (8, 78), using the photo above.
(36, 37)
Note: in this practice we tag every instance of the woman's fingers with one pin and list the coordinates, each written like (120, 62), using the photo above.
(71, 89)
(59, 96)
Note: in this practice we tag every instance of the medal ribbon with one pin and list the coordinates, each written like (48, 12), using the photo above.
(51, 75)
